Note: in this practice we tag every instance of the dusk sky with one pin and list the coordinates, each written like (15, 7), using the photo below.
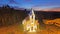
(31, 3)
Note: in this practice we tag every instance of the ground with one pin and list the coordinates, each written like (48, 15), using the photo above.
(18, 29)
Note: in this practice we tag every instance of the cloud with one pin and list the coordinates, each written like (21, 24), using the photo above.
(13, 2)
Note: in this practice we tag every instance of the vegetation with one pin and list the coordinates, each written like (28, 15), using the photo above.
(9, 16)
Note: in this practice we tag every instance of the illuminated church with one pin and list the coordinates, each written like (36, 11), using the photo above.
(30, 24)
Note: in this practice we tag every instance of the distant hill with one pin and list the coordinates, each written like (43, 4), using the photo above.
(52, 9)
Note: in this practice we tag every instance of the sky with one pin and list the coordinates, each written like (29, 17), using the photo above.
(31, 3)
